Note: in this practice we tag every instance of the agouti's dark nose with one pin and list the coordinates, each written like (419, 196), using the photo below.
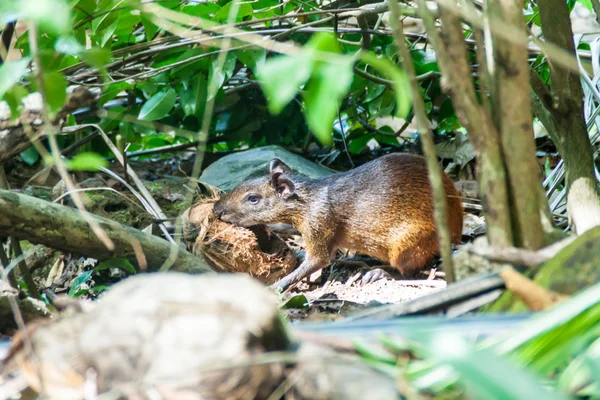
(218, 208)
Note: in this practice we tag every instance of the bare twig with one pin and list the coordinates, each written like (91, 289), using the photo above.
(24, 269)
(435, 172)
(535, 297)
(345, 141)
(152, 206)
(51, 131)
(522, 257)
(4, 263)
(207, 117)
(452, 59)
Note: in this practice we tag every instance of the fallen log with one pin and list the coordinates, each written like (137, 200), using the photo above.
(63, 228)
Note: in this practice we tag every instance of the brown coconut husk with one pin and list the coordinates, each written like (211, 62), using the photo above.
(230, 248)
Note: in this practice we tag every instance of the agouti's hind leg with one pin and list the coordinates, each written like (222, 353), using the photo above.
(413, 252)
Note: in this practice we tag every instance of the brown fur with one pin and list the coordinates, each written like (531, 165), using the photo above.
(383, 208)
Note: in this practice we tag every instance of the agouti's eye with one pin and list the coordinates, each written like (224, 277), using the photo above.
(252, 199)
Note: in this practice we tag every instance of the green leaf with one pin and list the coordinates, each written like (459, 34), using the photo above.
(71, 121)
(120, 263)
(485, 374)
(51, 15)
(109, 16)
(152, 142)
(126, 130)
(373, 352)
(11, 72)
(549, 339)
(149, 27)
(148, 88)
(387, 103)
(30, 156)
(399, 81)
(244, 11)
(113, 91)
(324, 41)
(221, 74)
(193, 95)
(68, 44)
(373, 91)
(99, 288)
(158, 106)
(448, 124)
(108, 33)
(77, 282)
(56, 90)
(325, 90)
(201, 10)
(582, 376)
(252, 58)
(299, 301)
(82, 9)
(357, 145)
(587, 4)
(96, 57)
(424, 61)
(87, 162)
(13, 97)
(281, 77)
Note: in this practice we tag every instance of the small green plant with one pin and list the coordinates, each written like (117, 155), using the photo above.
(553, 355)
(79, 285)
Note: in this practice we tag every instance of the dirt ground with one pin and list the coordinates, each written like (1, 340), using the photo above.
(345, 293)
(382, 291)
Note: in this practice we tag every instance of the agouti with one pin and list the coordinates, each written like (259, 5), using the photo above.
(383, 209)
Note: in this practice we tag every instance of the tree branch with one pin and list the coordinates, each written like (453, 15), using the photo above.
(435, 171)
(516, 126)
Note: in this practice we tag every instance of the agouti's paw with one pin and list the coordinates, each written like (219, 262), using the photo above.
(374, 275)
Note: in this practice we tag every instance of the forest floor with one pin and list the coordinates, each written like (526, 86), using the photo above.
(344, 292)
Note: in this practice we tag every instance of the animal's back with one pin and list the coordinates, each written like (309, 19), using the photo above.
(385, 209)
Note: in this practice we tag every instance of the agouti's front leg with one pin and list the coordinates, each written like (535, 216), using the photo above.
(317, 257)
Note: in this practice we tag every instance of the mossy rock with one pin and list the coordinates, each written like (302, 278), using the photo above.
(170, 194)
(574, 268)
(122, 208)
(229, 171)
(126, 209)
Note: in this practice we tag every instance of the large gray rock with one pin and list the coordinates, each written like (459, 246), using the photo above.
(231, 170)
(179, 336)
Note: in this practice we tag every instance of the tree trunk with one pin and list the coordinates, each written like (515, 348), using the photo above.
(516, 127)
(565, 99)
(510, 184)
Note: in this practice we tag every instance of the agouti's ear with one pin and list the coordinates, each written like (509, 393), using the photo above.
(276, 165)
(284, 187)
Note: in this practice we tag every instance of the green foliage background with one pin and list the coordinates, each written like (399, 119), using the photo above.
(147, 74)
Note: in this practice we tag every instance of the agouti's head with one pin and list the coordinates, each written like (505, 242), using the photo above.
(262, 200)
